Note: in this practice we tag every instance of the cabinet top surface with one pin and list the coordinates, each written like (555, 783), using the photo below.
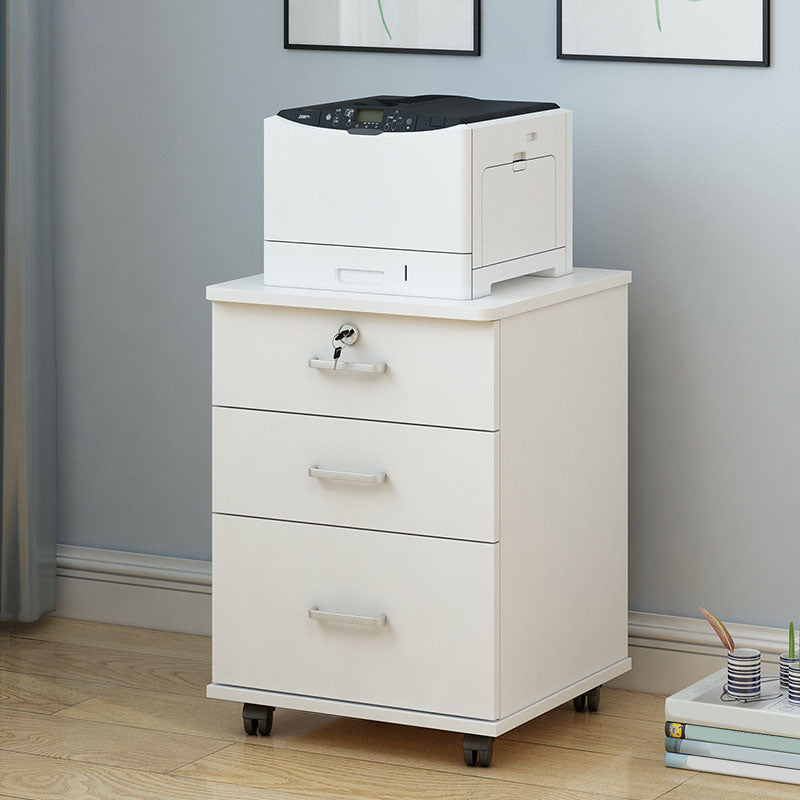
(507, 299)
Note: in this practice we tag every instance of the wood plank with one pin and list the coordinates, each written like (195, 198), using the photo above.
(118, 637)
(440, 750)
(76, 662)
(371, 741)
(196, 716)
(43, 695)
(518, 770)
(40, 778)
(114, 745)
(714, 787)
(594, 732)
(633, 705)
(307, 753)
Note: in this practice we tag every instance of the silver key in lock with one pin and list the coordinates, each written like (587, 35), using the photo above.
(346, 335)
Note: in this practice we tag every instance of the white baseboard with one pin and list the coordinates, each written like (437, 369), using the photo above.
(143, 591)
(174, 594)
(669, 653)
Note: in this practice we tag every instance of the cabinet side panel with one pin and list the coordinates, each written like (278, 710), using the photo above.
(564, 477)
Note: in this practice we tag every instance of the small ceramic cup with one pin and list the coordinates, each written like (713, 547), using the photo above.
(794, 685)
(788, 663)
(744, 673)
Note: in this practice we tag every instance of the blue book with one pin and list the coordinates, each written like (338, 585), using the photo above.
(752, 755)
(704, 733)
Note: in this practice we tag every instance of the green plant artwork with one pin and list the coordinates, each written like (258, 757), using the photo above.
(383, 19)
(658, 11)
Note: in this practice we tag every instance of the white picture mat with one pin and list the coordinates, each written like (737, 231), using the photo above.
(414, 24)
(724, 30)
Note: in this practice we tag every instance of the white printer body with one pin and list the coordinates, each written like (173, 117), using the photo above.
(420, 196)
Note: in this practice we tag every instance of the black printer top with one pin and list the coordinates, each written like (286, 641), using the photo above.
(398, 114)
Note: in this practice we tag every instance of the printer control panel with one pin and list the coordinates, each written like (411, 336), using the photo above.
(392, 114)
(352, 118)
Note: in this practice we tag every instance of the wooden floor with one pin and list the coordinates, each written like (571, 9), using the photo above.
(110, 713)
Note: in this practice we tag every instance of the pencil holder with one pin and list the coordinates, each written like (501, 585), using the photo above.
(744, 673)
(794, 685)
(788, 663)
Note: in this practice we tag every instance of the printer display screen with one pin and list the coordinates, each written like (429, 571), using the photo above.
(369, 115)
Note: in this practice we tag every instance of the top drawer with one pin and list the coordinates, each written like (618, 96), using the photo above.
(437, 372)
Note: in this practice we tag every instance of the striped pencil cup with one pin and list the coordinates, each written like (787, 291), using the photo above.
(794, 685)
(788, 663)
(744, 673)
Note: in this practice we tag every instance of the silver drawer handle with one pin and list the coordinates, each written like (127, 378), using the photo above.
(349, 477)
(345, 366)
(347, 619)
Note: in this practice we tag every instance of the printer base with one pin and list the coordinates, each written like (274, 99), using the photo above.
(407, 273)
(552, 264)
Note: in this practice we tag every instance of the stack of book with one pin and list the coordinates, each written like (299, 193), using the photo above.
(759, 739)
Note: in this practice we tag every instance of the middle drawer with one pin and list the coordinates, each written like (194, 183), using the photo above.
(356, 473)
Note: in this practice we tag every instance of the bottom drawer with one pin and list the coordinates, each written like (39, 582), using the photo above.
(397, 620)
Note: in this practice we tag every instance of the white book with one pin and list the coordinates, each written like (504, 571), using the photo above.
(739, 769)
(700, 704)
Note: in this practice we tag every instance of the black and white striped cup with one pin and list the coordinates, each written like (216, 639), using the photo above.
(744, 673)
(794, 685)
(788, 663)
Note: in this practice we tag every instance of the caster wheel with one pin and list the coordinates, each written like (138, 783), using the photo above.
(478, 750)
(485, 756)
(257, 719)
(593, 699)
(579, 702)
(265, 725)
(250, 726)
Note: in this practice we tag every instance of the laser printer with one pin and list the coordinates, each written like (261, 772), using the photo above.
(428, 196)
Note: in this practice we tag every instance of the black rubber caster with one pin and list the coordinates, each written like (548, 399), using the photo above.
(250, 726)
(257, 719)
(477, 750)
(593, 698)
(579, 702)
(265, 725)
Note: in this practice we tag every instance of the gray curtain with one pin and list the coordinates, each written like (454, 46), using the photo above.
(27, 325)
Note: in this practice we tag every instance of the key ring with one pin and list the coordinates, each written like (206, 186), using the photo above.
(347, 335)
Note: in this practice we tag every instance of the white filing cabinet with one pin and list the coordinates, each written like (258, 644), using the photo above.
(435, 532)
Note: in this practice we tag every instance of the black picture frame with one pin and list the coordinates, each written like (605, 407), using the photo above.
(476, 42)
(765, 44)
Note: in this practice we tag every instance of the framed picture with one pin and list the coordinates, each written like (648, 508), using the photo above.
(675, 31)
(447, 27)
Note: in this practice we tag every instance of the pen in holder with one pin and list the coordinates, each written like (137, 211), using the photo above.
(789, 660)
(744, 664)
(744, 674)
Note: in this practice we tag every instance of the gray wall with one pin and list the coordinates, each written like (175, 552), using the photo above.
(688, 175)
